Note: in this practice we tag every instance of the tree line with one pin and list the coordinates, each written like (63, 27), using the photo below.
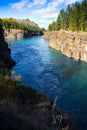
(74, 17)
(24, 24)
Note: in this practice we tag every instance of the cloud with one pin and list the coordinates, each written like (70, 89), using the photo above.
(37, 2)
(49, 12)
(67, 2)
(51, 16)
(19, 6)
(51, 8)
(59, 1)
(25, 4)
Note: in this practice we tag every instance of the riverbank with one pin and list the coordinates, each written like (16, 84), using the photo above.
(13, 34)
(20, 34)
(21, 107)
(71, 44)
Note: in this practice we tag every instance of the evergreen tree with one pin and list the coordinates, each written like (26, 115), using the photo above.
(84, 15)
(50, 27)
(59, 22)
(74, 17)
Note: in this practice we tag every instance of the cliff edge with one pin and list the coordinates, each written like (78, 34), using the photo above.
(5, 52)
(71, 44)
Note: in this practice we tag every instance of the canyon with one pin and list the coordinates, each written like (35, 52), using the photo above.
(72, 44)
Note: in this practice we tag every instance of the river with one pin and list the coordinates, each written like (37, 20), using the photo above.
(49, 71)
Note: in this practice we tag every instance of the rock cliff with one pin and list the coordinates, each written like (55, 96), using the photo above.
(13, 34)
(19, 34)
(5, 52)
(71, 44)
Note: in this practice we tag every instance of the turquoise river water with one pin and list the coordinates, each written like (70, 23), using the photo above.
(49, 71)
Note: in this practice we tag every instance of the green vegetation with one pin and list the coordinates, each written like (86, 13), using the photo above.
(53, 26)
(26, 24)
(16, 104)
(11, 89)
(74, 17)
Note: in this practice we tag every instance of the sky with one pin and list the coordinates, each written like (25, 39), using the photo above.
(41, 12)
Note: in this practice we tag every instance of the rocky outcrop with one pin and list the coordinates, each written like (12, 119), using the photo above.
(19, 34)
(5, 53)
(71, 44)
(13, 34)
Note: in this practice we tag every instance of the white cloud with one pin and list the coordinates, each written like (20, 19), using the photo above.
(19, 6)
(66, 2)
(37, 2)
(49, 12)
(59, 1)
(51, 8)
(70, 2)
(51, 16)
(25, 4)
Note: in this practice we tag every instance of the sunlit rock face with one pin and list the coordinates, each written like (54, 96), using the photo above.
(71, 44)
(13, 34)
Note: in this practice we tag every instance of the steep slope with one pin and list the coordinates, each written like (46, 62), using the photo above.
(5, 52)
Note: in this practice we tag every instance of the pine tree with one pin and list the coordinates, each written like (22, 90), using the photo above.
(74, 17)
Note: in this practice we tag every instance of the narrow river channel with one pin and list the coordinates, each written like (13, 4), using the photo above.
(49, 71)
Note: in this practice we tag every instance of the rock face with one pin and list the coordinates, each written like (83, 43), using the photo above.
(5, 53)
(13, 34)
(19, 34)
(71, 44)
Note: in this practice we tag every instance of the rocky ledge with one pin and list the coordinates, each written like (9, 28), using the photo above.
(71, 44)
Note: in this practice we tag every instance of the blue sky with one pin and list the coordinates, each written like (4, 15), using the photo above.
(42, 12)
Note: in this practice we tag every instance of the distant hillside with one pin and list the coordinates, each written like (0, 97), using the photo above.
(26, 25)
(22, 24)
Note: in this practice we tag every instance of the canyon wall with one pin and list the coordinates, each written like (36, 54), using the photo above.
(19, 34)
(71, 44)
(5, 53)
(13, 34)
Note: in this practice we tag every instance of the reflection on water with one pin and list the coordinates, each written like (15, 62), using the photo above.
(49, 71)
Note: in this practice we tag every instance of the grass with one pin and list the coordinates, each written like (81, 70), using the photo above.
(15, 99)
(10, 90)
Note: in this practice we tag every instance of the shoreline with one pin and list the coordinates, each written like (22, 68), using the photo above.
(19, 34)
(71, 44)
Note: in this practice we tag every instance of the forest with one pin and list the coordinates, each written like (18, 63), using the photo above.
(73, 17)
(22, 24)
